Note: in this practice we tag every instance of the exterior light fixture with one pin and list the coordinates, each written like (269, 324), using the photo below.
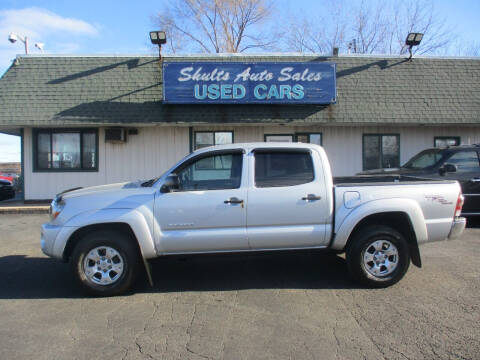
(14, 37)
(40, 46)
(158, 38)
(413, 39)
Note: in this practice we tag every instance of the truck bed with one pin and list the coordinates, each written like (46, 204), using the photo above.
(386, 179)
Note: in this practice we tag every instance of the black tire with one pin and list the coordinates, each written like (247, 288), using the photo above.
(362, 242)
(127, 252)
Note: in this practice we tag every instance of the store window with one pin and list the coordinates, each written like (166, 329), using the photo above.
(444, 141)
(211, 138)
(381, 151)
(309, 138)
(278, 138)
(65, 150)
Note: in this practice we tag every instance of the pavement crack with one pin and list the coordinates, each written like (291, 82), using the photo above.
(140, 350)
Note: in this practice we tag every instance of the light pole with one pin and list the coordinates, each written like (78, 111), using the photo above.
(14, 37)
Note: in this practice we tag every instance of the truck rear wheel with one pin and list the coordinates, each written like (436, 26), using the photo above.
(378, 256)
(105, 263)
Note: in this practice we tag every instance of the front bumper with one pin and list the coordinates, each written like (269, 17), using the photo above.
(458, 226)
(47, 239)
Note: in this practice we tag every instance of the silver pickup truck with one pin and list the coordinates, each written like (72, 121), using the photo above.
(249, 197)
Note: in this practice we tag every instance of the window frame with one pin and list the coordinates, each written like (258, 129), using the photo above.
(194, 140)
(201, 156)
(51, 131)
(282, 150)
(456, 138)
(380, 147)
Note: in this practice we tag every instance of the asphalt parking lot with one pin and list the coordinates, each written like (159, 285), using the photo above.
(288, 306)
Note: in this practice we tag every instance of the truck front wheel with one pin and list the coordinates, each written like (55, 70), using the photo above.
(378, 256)
(105, 263)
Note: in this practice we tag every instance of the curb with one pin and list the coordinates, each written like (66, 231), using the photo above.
(24, 210)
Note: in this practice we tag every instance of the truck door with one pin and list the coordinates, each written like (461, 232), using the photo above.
(208, 210)
(468, 175)
(288, 206)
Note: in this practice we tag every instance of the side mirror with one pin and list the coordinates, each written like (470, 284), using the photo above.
(447, 168)
(171, 183)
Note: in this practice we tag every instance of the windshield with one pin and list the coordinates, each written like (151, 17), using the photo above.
(424, 159)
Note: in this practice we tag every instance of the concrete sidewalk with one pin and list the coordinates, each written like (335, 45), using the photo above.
(19, 207)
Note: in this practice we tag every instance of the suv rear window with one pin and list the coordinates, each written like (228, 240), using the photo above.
(282, 168)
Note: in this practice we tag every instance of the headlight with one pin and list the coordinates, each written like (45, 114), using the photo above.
(56, 208)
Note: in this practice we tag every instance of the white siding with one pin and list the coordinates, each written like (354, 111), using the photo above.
(143, 156)
(155, 149)
(344, 144)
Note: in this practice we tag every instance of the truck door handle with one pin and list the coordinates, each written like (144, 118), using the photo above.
(311, 197)
(233, 200)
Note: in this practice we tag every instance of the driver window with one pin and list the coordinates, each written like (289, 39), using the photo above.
(214, 172)
(466, 161)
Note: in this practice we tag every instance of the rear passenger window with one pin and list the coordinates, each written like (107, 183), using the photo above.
(273, 169)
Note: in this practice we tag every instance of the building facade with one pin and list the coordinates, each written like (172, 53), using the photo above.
(91, 120)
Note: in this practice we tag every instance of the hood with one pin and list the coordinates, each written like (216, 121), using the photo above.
(128, 195)
(97, 190)
(125, 195)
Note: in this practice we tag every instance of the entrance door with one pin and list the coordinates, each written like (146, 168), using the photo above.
(287, 204)
(208, 211)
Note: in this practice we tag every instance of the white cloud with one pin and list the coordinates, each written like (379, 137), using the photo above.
(60, 34)
(37, 22)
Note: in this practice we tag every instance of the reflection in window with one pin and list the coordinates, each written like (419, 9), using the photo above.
(381, 151)
(279, 138)
(211, 138)
(424, 159)
(212, 173)
(310, 138)
(274, 169)
(66, 149)
(466, 161)
(444, 141)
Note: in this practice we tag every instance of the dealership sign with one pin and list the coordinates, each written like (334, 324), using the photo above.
(249, 83)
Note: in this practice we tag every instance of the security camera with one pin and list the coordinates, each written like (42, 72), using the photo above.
(40, 46)
(12, 37)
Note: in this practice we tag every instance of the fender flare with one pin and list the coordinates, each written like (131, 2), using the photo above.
(132, 217)
(406, 206)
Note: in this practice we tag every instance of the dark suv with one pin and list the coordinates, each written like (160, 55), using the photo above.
(452, 163)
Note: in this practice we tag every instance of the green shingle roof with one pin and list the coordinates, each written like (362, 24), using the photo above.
(86, 90)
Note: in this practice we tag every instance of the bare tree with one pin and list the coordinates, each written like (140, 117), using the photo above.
(216, 25)
(369, 28)
(372, 27)
(317, 33)
(419, 16)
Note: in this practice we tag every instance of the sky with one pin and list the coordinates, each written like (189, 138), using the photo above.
(121, 27)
